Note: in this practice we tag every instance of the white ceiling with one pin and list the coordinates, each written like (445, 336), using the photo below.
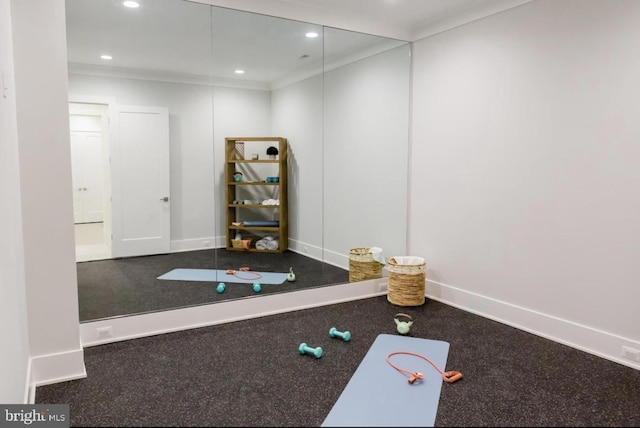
(190, 41)
(401, 19)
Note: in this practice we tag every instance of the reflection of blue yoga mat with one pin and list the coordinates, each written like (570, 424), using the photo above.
(213, 275)
(379, 395)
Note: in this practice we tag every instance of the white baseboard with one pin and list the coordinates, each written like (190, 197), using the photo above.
(305, 249)
(136, 326)
(587, 339)
(54, 368)
(204, 243)
(336, 259)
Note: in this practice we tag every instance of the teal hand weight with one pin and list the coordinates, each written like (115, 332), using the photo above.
(256, 287)
(220, 288)
(304, 349)
(346, 336)
(403, 327)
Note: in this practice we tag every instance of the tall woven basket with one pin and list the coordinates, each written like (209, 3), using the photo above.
(362, 266)
(407, 277)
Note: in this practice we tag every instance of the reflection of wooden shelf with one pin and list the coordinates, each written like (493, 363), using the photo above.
(235, 212)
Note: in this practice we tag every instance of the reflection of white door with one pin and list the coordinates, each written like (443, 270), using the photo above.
(88, 177)
(140, 180)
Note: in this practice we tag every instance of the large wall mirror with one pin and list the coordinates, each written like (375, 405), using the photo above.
(155, 90)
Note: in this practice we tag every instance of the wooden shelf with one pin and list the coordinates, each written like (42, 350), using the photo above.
(237, 213)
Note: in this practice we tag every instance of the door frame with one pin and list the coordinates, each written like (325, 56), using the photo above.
(109, 103)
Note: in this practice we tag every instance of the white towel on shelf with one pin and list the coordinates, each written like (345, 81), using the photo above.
(272, 244)
(265, 243)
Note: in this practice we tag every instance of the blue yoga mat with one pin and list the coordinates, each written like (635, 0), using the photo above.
(379, 395)
(213, 275)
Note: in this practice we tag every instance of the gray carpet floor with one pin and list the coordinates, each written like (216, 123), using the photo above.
(250, 373)
(111, 288)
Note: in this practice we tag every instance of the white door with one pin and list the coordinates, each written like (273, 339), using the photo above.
(140, 181)
(88, 177)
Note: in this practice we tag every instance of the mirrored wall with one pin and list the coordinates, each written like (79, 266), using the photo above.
(155, 90)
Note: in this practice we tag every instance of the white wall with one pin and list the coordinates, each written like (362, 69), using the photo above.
(196, 167)
(366, 123)
(45, 184)
(14, 357)
(190, 133)
(297, 115)
(237, 113)
(524, 179)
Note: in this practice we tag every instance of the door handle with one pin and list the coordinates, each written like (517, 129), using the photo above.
(165, 199)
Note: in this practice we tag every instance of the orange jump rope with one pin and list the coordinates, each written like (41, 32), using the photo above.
(450, 376)
(244, 269)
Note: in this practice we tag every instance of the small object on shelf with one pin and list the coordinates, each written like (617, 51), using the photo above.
(291, 276)
(255, 156)
(272, 152)
(239, 150)
(244, 244)
(237, 176)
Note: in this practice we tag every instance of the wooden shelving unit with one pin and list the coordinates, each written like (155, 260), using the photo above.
(239, 153)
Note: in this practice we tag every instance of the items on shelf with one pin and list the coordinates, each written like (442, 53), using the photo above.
(256, 208)
(267, 243)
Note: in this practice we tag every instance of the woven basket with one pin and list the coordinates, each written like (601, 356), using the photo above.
(362, 266)
(240, 243)
(406, 281)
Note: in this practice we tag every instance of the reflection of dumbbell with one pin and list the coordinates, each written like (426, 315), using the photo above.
(346, 336)
(256, 287)
(220, 288)
(304, 349)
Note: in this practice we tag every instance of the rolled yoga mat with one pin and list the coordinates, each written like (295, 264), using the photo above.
(213, 275)
(379, 395)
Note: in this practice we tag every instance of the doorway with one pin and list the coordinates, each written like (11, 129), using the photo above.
(89, 137)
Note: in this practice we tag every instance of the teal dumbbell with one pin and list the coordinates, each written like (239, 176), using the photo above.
(304, 349)
(346, 336)
(220, 288)
(256, 287)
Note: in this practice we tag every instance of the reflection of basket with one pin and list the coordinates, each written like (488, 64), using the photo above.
(362, 266)
(406, 281)
(241, 243)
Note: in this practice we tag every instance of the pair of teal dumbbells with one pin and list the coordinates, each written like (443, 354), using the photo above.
(222, 286)
(317, 351)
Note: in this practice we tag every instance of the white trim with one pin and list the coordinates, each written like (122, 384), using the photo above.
(29, 389)
(57, 367)
(464, 17)
(193, 244)
(132, 327)
(129, 73)
(593, 341)
(336, 259)
(305, 249)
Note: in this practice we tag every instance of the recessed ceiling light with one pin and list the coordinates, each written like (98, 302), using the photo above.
(311, 35)
(130, 3)
(239, 71)
(106, 57)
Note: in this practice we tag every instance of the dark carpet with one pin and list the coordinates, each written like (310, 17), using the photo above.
(250, 373)
(108, 288)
